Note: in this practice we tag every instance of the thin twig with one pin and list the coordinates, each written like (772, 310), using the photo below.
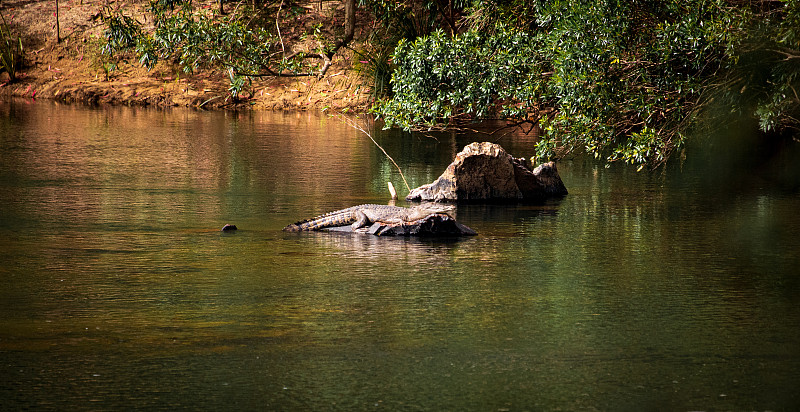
(278, 25)
(352, 123)
(204, 103)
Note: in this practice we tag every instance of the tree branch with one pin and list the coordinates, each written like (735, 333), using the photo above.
(349, 32)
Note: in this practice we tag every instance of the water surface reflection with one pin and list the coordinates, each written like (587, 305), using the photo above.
(636, 291)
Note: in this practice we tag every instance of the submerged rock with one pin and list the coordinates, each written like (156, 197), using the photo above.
(486, 172)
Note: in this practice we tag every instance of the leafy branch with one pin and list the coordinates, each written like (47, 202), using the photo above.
(237, 42)
(618, 80)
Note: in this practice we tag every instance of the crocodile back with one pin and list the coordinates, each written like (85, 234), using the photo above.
(346, 216)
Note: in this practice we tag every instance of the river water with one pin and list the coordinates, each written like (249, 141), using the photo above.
(667, 290)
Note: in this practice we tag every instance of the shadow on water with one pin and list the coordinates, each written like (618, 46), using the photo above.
(736, 157)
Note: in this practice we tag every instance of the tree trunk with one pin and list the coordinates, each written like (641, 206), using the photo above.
(349, 21)
(349, 32)
(58, 29)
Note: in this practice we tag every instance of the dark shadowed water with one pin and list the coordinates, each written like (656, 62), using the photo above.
(675, 290)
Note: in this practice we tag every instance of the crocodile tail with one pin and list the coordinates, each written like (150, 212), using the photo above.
(294, 227)
(318, 223)
(335, 218)
(306, 224)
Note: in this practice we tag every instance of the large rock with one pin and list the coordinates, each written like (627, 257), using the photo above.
(486, 172)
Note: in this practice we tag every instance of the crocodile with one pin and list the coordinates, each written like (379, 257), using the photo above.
(362, 215)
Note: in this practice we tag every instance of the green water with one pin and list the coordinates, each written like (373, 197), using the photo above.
(673, 290)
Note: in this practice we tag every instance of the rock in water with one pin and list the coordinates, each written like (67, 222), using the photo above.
(437, 224)
(486, 172)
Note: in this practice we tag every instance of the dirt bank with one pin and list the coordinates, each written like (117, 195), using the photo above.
(72, 71)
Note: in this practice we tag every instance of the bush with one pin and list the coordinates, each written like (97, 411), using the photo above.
(193, 39)
(440, 80)
(764, 80)
(620, 80)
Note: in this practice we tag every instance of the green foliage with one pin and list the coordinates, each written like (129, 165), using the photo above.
(238, 83)
(414, 18)
(10, 50)
(123, 33)
(400, 21)
(439, 79)
(192, 39)
(620, 80)
(524, 15)
(375, 65)
(765, 76)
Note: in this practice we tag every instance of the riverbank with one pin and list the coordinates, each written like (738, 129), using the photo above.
(72, 70)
